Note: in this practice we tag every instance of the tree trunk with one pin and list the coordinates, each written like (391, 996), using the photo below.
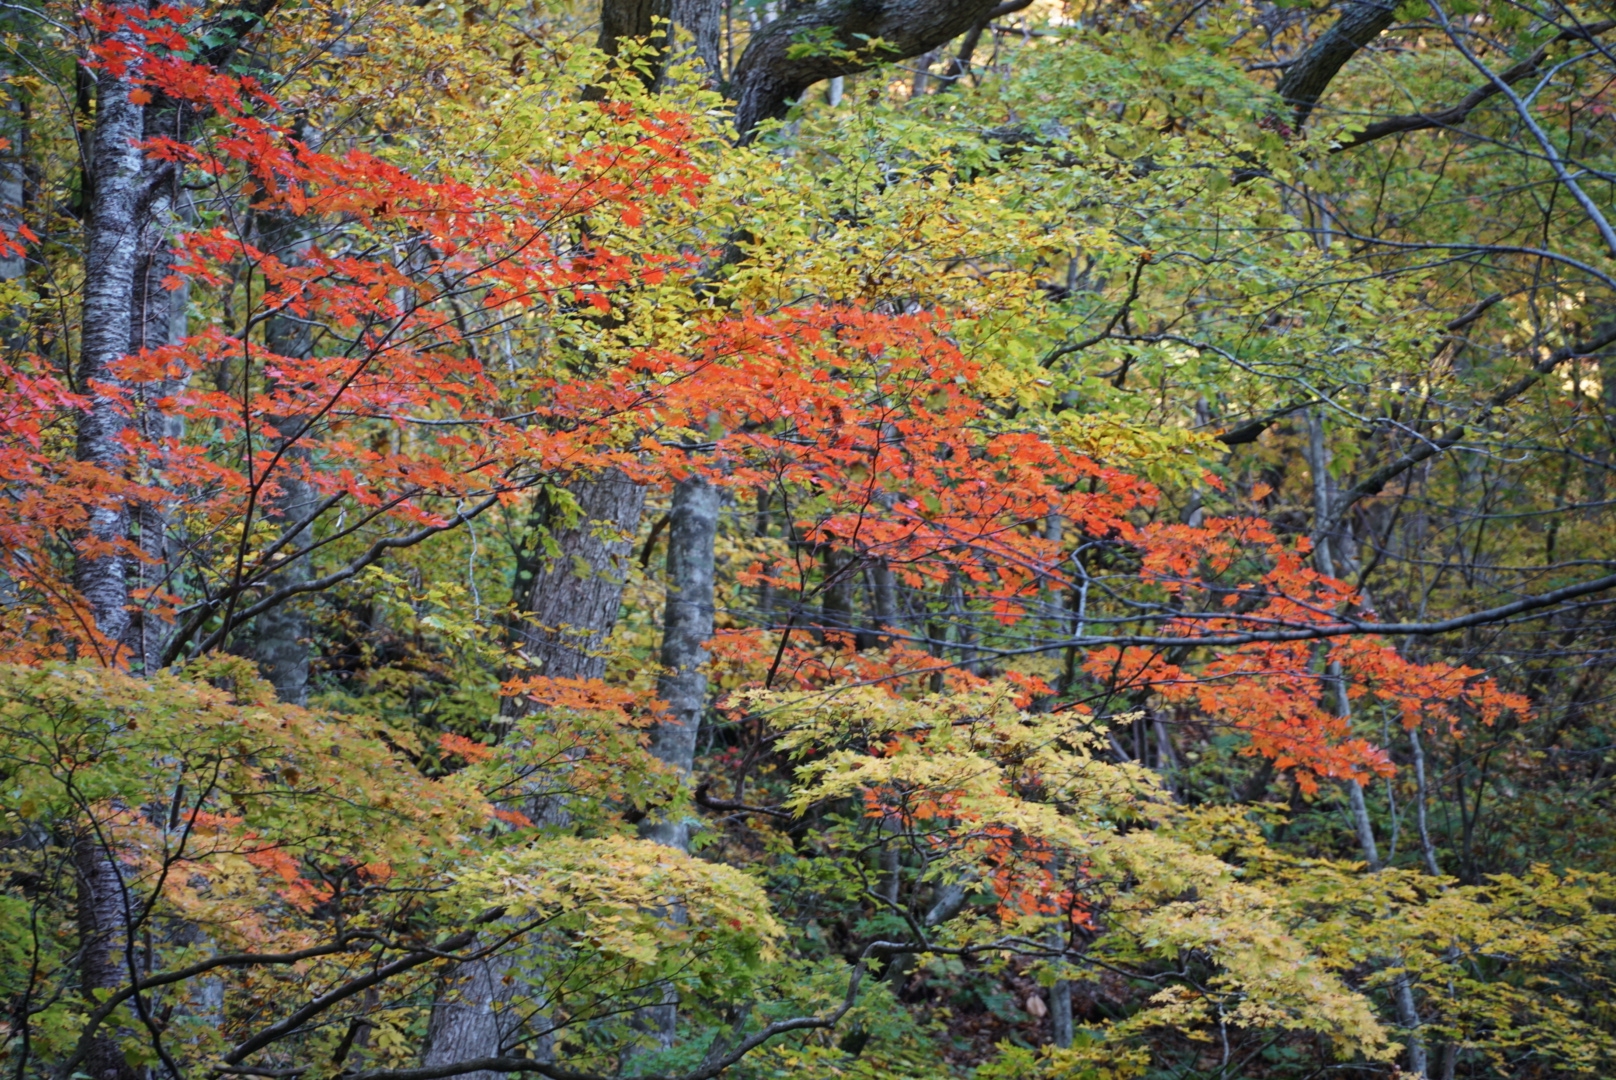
(700, 19)
(570, 599)
(687, 626)
(278, 640)
(569, 595)
(475, 1018)
(13, 172)
(103, 916)
(1060, 1013)
(836, 596)
(1310, 74)
(1402, 989)
(627, 19)
(118, 208)
(773, 72)
(154, 323)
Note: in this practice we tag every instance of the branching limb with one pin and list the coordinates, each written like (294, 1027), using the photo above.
(1455, 114)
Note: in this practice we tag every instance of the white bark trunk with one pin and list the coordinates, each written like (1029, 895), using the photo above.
(117, 209)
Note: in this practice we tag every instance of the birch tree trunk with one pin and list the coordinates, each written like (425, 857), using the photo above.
(103, 917)
(13, 174)
(118, 206)
(687, 625)
(153, 323)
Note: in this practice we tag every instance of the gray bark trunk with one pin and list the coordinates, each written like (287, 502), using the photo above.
(1427, 848)
(569, 594)
(687, 626)
(475, 1017)
(626, 19)
(700, 19)
(103, 918)
(884, 595)
(1060, 1013)
(571, 597)
(13, 174)
(154, 322)
(279, 638)
(1402, 989)
(118, 206)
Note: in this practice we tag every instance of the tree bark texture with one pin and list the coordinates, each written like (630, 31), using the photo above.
(700, 19)
(153, 323)
(767, 79)
(479, 1015)
(1305, 81)
(118, 206)
(687, 626)
(570, 594)
(13, 174)
(625, 19)
(571, 597)
(103, 916)
(279, 638)
(1060, 1013)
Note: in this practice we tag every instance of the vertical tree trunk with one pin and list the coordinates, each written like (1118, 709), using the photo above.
(570, 598)
(117, 210)
(836, 599)
(13, 174)
(279, 638)
(1402, 990)
(699, 18)
(760, 528)
(569, 595)
(687, 626)
(1060, 1013)
(620, 19)
(1427, 848)
(103, 916)
(475, 1018)
(153, 323)
(884, 601)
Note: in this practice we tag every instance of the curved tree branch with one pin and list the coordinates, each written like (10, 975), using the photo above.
(1308, 76)
(839, 37)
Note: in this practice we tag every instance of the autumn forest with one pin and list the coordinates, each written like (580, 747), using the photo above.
(813, 539)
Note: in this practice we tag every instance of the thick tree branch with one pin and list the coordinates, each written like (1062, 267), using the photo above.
(1308, 76)
(1252, 429)
(1455, 114)
(839, 37)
